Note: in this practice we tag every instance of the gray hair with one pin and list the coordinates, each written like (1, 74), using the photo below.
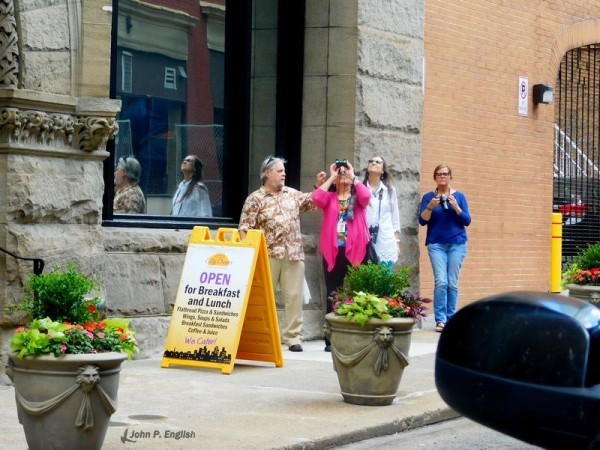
(268, 163)
(132, 168)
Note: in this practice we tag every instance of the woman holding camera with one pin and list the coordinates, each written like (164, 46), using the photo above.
(383, 216)
(344, 233)
(445, 211)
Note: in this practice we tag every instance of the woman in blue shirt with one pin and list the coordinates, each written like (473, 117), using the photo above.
(445, 211)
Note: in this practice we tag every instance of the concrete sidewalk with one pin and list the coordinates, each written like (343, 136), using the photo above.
(258, 406)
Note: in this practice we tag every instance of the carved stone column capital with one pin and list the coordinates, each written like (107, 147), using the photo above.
(39, 129)
(92, 133)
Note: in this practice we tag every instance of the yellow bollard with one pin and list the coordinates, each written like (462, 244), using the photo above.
(556, 255)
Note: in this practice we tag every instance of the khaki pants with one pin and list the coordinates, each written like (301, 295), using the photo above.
(290, 277)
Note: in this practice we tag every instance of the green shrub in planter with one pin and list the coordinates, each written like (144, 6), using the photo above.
(585, 267)
(376, 279)
(60, 295)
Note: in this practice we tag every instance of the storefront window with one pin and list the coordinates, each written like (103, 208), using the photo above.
(169, 76)
(204, 81)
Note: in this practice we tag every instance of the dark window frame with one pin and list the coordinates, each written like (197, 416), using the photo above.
(236, 115)
(231, 188)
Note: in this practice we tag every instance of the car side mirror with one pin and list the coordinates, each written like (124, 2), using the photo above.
(526, 364)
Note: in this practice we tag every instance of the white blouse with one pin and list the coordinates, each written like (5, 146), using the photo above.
(388, 219)
(196, 205)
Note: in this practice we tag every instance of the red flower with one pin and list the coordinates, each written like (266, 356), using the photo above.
(393, 303)
(585, 276)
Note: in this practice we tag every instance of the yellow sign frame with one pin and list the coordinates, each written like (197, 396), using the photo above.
(253, 334)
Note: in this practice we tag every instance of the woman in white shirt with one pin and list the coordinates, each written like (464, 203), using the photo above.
(191, 198)
(383, 216)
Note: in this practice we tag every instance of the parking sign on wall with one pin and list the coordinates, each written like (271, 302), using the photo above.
(523, 95)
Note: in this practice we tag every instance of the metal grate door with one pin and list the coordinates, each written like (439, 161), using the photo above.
(576, 154)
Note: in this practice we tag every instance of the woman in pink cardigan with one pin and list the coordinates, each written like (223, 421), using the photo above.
(344, 232)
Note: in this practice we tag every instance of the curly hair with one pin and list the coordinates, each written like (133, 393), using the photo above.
(268, 163)
(132, 168)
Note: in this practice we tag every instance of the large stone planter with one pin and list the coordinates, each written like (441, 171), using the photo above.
(66, 402)
(585, 292)
(369, 359)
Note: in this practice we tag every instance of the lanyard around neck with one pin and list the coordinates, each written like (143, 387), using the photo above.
(379, 211)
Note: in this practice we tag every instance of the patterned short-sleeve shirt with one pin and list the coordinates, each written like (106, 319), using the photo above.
(130, 200)
(278, 216)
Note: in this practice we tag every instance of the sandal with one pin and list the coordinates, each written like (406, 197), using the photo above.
(439, 327)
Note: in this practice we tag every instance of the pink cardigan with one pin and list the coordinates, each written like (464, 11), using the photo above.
(357, 230)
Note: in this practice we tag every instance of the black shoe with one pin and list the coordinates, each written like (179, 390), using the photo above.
(295, 348)
(328, 348)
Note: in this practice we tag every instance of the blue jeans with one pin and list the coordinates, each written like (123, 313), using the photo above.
(389, 264)
(446, 261)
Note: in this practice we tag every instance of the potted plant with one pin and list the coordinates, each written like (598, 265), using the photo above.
(582, 275)
(65, 363)
(370, 329)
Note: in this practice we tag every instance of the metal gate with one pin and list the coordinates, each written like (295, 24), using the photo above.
(576, 154)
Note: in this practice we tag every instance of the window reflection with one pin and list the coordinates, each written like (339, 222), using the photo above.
(129, 198)
(170, 72)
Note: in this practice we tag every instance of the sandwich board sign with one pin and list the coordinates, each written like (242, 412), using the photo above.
(225, 305)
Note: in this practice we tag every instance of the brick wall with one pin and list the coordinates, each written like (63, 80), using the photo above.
(475, 52)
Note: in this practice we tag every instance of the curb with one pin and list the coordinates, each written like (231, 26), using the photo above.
(397, 426)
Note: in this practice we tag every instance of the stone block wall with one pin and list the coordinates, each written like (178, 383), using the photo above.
(363, 96)
(390, 103)
(45, 55)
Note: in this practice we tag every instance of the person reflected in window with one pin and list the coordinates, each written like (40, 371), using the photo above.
(191, 198)
(129, 198)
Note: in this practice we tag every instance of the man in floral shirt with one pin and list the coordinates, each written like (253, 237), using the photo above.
(129, 197)
(275, 209)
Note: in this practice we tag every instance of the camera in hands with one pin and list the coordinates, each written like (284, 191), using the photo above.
(341, 163)
(444, 202)
(374, 230)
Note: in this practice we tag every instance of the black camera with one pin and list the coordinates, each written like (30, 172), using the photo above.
(444, 202)
(341, 163)
(374, 230)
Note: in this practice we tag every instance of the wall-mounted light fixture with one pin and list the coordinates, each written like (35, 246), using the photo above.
(542, 93)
